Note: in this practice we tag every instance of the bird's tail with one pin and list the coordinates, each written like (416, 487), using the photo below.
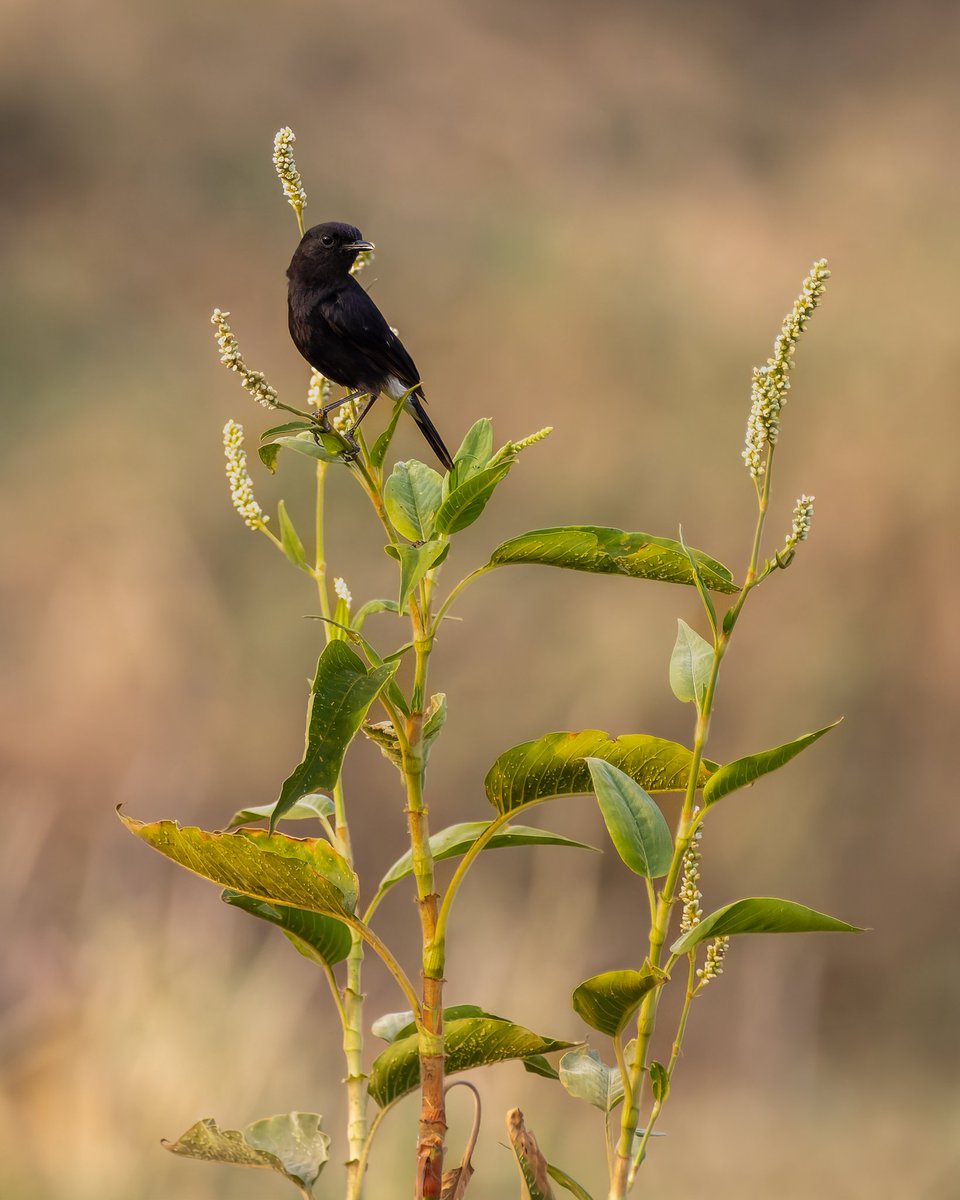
(429, 430)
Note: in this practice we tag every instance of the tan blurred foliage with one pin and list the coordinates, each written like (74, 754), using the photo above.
(587, 215)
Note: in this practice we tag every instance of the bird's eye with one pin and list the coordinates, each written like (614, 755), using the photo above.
(327, 239)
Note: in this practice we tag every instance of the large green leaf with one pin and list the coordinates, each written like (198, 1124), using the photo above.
(555, 765)
(302, 872)
(605, 551)
(636, 826)
(690, 666)
(316, 937)
(457, 839)
(743, 771)
(760, 914)
(607, 1001)
(468, 1042)
(292, 1144)
(466, 502)
(415, 562)
(314, 805)
(587, 1077)
(343, 689)
(412, 496)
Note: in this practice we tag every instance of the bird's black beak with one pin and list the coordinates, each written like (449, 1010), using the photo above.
(359, 246)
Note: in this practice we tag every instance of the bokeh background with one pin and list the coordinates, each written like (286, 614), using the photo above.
(587, 215)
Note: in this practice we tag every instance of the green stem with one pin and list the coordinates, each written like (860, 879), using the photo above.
(441, 611)
(624, 1168)
(674, 1055)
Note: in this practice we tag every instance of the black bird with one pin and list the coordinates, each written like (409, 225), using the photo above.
(342, 334)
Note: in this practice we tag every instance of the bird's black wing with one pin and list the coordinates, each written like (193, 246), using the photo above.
(354, 318)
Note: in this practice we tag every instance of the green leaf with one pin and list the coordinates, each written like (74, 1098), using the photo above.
(530, 1160)
(321, 939)
(305, 443)
(690, 666)
(291, 1144)
(567, 1182)
(469, 1042)
(287, 427)
(473, 455)
(342, 692)
(289, 540)
(309, 807)
(760, 914)
(411, 496)
(467, 501)
(744, 771)
(659, 1081)
(268, 456)
(302, 872)
(457, 840)
(605, 551)
(382, 444)
(587, 1077)
(371, 607)
(391, 1027)
(415, 562)
(607, 1001)
(636, 826)
(555, 765)
(536, 1064)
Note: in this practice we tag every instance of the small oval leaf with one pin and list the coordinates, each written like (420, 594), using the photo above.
(690, 665)
(586, 1077)
(636, 826)
(411, 496)
(607, 1001)
(466, 502)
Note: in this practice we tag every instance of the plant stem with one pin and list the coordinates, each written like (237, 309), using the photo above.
(623, 1171)
(433, 1126)
(674, 1055)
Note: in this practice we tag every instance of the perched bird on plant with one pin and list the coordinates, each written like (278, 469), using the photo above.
(342, 334)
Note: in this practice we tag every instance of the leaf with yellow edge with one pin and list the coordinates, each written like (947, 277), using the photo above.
(303, 872)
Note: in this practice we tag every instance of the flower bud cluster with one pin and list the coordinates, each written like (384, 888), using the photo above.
(690, 894)
(254, 381)
(772, 381)
(287, 171)
(713, 964)
(241, 485)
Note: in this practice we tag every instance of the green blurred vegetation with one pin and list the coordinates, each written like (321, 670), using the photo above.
(591, 216)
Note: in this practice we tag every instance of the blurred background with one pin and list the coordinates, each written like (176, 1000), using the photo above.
(587, 215)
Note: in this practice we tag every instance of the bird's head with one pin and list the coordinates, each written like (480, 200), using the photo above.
(327, 250)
